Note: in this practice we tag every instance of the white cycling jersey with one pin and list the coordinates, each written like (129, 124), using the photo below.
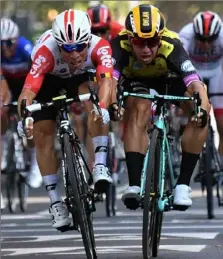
(202, 59)
(208, 63)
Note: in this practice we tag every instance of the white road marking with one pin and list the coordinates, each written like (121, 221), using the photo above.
(102, 249)
(106, 237)
(116, 228)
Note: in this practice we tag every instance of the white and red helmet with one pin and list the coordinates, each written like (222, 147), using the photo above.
(72, 27)
(9, 29)
(207, 25)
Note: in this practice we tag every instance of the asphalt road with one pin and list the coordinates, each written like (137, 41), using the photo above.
(186, 235)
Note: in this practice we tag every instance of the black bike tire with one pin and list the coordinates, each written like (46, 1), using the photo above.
(114, 197)
(209, 176)
(107, 201)
(80, 211)
(110, 200)
(11, 175)
(158, 214)
(219, 188)
(22, 193)
(147, 238)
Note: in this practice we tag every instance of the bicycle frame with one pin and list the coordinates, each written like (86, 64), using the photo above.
(64, 127)
(161, 124)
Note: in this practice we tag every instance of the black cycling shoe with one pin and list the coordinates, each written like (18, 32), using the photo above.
(131, 203)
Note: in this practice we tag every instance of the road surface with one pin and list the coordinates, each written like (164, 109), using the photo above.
(186, 235)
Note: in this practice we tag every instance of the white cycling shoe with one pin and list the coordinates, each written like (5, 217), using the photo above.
(60, 215)
(131, 197)
(182, 197)
(101, 178)
(2, 202)
(34, 178)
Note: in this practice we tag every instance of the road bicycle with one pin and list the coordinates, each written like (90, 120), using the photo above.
(157, 177)
(17, 163)
(80, 198)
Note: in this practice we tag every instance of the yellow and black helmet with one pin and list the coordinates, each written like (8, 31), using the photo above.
(145, 21)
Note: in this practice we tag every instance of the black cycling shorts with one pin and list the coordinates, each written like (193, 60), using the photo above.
(53, 86)
(15, 86)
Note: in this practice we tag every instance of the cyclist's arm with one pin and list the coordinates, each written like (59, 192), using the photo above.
(42, 64)
(5, 93)
(120, 61)
(102, 58)
(180, 62)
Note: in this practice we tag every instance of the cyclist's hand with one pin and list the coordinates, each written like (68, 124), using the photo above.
(201, 120)
(105, 118)
(114, 114)
(28, 131)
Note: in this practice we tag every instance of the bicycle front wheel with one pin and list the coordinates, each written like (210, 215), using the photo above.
(11, 174)
(79, 197)
(23, 190)
(208, 158)
(152, 218)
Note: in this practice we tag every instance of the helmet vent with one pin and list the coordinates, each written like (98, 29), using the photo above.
(70, 34)
(61, 35)
(78, 34)
(84, 37)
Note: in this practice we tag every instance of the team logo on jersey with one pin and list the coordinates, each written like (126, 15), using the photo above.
(36, 65)
(187, 66)
(105, 57)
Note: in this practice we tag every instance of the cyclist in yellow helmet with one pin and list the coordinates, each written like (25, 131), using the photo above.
(143, 57)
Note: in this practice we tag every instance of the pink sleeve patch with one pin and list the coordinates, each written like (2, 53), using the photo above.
(191, 78)
(116, 74)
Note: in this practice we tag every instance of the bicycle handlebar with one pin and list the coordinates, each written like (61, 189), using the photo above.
(38, 106)
(195, 98)
(10, 104)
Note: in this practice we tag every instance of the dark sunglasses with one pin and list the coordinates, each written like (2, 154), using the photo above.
(7, 43)
(205, 39)
(146, 42)
(75, 47)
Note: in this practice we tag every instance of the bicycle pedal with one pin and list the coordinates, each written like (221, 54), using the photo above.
(131, 203)
(101, 186)
(65, 228)
(180, 207)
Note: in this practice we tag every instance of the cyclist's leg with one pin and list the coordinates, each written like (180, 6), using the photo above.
(5, 98)
(216, 93)
(99, 134)
(44, 134)
(192, 142)
(77, 114)
(135, 143)
(33, 178)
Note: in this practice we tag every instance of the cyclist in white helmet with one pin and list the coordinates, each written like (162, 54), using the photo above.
(60, 58)
(15, 65)
(203, 40)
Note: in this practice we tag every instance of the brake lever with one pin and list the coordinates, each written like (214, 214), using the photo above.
(95, 100)
(197, 103)
(120, 100)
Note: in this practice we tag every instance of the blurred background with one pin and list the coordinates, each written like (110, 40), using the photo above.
(34, 17)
